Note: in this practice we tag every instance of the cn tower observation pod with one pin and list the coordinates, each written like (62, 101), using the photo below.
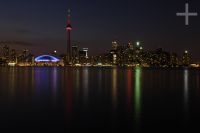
(46, 58)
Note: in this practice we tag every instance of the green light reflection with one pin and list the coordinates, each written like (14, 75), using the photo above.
(137, 93)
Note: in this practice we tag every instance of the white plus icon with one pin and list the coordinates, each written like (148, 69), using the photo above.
(187, 14)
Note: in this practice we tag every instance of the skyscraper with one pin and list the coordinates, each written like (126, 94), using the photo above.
(115, 45)
(75, 54)
(13, 55)
(6, 52)
(186, 58)
(69, 28)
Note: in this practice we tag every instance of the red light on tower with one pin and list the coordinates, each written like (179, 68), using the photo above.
(69, 28)
(69, 15)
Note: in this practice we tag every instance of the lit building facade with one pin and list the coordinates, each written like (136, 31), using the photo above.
(75, 54)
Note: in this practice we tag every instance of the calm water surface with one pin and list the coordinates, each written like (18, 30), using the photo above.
(99, 99)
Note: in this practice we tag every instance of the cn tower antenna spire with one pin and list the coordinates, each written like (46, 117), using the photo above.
(69, 29)
(69, 12)
(69, 16)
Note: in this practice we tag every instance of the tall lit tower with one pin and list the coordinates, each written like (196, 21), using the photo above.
(69, 28)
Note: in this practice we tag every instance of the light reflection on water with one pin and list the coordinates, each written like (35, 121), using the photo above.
(137, 93)
(12, 75)
(54, 84)
(186, 90)
(129, 88)
(77, 80)
(68, 90)
(114, 88)
(85, 78)
(98, 96)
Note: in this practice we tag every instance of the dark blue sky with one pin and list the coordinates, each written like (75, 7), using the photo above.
(40, 24)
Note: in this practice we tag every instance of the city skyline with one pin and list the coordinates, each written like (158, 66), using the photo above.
(99, 65)
(41, 29)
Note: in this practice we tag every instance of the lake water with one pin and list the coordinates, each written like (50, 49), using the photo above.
(99, 99)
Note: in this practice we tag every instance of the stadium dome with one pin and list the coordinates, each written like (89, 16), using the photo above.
(46, 58)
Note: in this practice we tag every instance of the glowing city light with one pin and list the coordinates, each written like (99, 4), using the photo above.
(138, 43)
(114, 42)
(11, 64)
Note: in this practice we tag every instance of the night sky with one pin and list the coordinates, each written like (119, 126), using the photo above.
(39, 25)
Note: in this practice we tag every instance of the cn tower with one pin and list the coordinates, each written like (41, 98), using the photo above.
(69, 28)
